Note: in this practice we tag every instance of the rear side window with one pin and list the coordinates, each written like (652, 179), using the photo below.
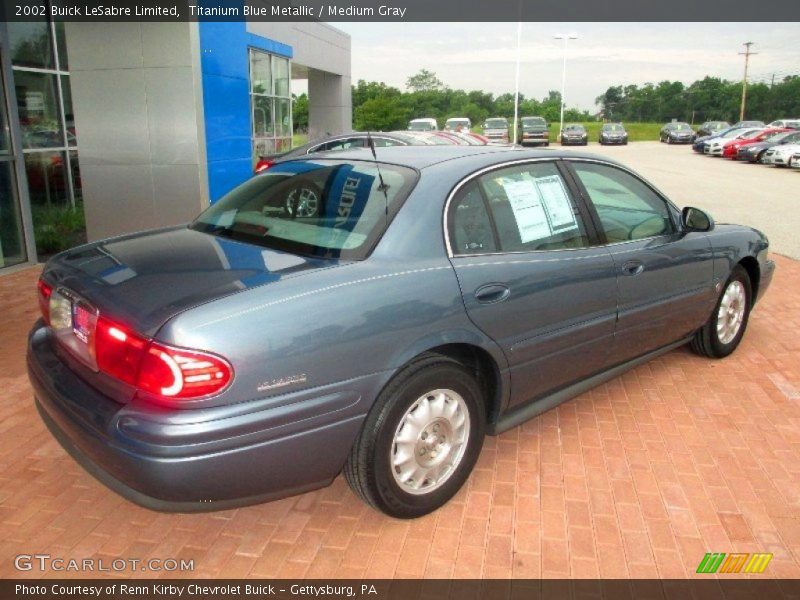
(323, 208)
(470, 228)
(628, 209)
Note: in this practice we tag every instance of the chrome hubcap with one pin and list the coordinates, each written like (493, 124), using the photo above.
(302, 202)
(430, 441)
(731, 312)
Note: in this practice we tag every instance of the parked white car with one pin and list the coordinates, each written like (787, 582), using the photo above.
(780, 155)
(790, 123)
(458, 124)
(425, 124)
(714, 146)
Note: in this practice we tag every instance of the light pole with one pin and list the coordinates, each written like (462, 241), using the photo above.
(516, 81)
(566, 37)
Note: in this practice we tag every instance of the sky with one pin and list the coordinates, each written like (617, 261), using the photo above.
(482, 55)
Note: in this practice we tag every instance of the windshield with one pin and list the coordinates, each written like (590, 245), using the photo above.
(777, 137)
(613, 127)
(577, 128)
(533, 122)
(457, 122)
(321, 208)
(496, 124)
(421, 126)
(682, 127)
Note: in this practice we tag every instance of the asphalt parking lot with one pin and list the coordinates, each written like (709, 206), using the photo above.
(639, 477)
(765, 197)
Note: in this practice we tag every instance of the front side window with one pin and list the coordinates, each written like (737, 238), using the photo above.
(628, 209)
(321, 208)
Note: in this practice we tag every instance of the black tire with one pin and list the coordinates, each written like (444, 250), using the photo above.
(368, 470)
(706, 341)
(547, 143)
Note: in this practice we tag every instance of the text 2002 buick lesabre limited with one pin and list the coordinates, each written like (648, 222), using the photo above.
(338, 313)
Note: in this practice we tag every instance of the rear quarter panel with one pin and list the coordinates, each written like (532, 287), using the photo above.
(348, 325)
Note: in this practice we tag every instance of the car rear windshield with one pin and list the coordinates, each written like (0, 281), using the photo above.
(321, 208)
(496, 123)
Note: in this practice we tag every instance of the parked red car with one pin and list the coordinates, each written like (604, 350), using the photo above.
(730, 149)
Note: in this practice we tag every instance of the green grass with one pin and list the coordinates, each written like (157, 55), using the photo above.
(298, 139)
(637, 132)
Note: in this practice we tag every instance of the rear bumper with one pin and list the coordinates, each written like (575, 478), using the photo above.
(197, 460)
(535, 138)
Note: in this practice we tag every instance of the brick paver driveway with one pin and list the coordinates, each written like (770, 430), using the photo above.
(639, 478)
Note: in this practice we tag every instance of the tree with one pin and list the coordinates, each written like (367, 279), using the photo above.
(300, 112)
(381, 114)
(424, 81)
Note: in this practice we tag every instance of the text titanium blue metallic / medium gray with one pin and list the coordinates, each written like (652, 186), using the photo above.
(336, 313)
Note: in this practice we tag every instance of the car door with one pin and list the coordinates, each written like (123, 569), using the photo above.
(665, 276)
(530, 276)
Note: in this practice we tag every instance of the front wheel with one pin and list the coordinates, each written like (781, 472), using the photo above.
(725, 328)
(420, 440)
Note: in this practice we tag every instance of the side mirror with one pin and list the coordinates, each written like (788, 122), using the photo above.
(694, 219)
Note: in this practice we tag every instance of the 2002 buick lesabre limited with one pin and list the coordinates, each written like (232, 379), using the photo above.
(341, 313)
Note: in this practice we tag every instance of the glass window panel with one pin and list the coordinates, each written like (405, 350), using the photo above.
(262, 116)
(283, 118)
(69, 117)
(260, 73)
(5, 136)
(280, 70)
(76, 176)
(263, 147)
(39, 117)
(61, 46)
(532, 209)
(283, 144)
(470, 228)
(628, 209)
(47, 178)
(12, 246)
(30, 44)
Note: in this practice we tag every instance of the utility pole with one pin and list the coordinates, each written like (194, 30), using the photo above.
(747, 54)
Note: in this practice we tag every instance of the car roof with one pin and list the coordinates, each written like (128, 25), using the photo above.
(420, 157)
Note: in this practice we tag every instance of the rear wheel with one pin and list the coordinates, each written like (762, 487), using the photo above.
(725, 328)
(420, 440)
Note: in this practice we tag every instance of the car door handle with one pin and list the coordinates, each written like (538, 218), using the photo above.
(491, 293)
(632, 267)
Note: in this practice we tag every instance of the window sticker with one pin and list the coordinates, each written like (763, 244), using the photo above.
(556, 203)
(529, 212)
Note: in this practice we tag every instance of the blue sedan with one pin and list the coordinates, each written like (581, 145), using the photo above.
(376, 317)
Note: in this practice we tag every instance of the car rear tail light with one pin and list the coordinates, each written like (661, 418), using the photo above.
(154, 367)
(181, 373)
(118, 351)
(44, 292)
(263, 165)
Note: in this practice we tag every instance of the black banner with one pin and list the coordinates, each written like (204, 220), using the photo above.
(409, 589)
(446, 11)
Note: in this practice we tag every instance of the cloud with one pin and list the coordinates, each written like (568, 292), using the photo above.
(482, 56)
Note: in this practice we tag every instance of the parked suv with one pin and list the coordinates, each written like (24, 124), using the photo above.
(458, 124)
(534, 131)
(496, 130)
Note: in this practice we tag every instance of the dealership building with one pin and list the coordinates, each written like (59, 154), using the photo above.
(145, 124)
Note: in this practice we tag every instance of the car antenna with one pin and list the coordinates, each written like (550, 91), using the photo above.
(382, 187)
